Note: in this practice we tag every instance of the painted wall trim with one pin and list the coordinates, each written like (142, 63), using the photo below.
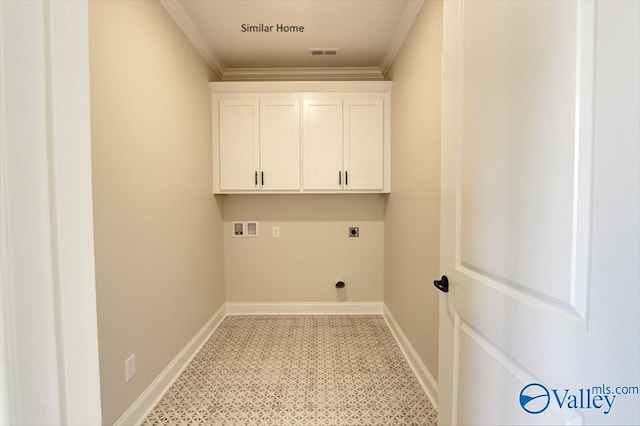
(406, 22)
(136, 413)
(299, 86)
(421, 371)
(49, 367)
(303, 73)
(72, 209)
(194, 35)
(302, 308)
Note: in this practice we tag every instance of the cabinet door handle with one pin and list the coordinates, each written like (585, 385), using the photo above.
(255, 178)
(339, 178)
(262, 178)
(346, 178)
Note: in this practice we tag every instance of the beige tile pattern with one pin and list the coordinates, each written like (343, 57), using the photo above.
(297, 370)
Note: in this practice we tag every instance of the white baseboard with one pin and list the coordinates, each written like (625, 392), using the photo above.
(421, 371)
(302, 308)
(152, 395)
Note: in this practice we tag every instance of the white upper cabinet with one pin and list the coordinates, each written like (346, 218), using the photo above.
(283, 137)
(343, 144)
(259, 145)
(322, 144)
(363, 144)
(279, 145)
(239, 144)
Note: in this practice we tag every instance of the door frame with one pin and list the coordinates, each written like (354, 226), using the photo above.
(49, 348)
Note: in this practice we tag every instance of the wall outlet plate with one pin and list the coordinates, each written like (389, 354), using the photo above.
(130, 368)
(354, 231)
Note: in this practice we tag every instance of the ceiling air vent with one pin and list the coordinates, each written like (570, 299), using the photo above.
(324, 51)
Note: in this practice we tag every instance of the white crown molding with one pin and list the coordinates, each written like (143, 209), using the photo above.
(194, 35)
(406, 22)
(310, 73)
(300, 87)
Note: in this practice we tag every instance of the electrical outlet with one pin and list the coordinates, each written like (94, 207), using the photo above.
(275, 232)
(130, 368)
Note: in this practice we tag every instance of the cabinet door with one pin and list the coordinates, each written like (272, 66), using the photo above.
(364, 144)
(322, 144)
(239, 144)
(280, 144)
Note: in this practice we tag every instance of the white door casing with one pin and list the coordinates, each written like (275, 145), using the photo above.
(540, 205)
(49, 347)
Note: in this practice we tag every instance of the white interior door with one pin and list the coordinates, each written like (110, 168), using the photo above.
(540, 213)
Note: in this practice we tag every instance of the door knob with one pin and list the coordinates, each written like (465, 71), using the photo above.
(442, 284)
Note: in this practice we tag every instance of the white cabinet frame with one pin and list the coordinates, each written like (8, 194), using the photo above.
(354, 98)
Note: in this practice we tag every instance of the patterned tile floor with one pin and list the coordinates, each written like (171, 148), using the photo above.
(297, 370)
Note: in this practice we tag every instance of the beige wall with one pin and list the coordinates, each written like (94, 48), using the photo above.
(158, 241)
(412, 237)
(312, 253)
(159, 232)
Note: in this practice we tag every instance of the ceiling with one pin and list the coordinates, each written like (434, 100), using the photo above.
(278, 36)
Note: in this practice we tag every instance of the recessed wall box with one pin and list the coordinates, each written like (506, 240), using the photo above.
(238, 229)
(251, 229)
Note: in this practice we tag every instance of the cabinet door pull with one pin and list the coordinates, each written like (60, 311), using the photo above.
(346, 178)
(262, 178)
(339, 178)
(255, 178)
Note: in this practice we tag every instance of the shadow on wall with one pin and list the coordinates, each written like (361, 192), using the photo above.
(304, 207)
